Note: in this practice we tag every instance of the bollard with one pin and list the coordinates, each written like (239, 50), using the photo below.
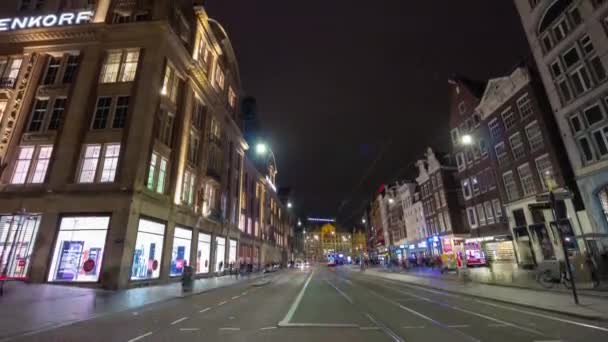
(187, 279)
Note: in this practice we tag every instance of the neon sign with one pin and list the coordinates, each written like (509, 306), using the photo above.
(48, 20)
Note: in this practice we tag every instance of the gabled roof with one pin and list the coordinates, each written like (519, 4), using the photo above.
(475, 87)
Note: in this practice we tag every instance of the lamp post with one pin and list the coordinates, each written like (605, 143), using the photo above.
(467, 141)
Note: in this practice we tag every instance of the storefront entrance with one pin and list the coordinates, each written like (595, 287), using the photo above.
(17, 237)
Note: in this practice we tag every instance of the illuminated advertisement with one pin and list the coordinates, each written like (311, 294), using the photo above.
(47, 20)
(180, 256)
(203, 253)
(148, 252)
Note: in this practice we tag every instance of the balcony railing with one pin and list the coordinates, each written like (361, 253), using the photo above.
(7, 82)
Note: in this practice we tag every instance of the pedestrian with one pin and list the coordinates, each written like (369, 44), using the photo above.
(591, 264)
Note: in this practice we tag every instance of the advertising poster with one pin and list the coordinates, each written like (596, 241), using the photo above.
(69, 260)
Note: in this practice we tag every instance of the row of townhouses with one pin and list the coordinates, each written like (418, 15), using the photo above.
(541, 129)
(122, 151)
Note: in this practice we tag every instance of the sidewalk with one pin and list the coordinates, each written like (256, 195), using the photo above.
(34, 307)
(524, 279)
(594, 308)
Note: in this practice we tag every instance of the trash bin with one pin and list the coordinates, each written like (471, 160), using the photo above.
(187, 278)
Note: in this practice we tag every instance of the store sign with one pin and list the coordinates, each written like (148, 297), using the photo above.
(422, 244)
(49, 20)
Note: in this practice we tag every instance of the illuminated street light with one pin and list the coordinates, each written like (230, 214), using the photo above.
(289, 205)
(363, 221)
(466, 139)
(299, 223)
(391, 201)
(261, 148)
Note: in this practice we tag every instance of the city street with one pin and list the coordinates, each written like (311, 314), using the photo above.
(327, 304)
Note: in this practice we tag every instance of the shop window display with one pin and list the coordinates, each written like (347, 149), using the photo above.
(180, 257)
(17, 237)
(232, 253)
(79, 249)
(148, 253)
(220, 253)
(203, 254)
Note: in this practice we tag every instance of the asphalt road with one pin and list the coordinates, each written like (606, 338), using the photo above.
(328, 304)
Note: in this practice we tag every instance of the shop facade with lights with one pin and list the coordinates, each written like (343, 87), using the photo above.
(124, 158)
(528, 152)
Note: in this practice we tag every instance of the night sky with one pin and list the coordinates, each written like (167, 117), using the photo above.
(350, 92)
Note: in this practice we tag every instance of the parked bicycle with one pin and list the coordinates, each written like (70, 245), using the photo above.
(553, 273)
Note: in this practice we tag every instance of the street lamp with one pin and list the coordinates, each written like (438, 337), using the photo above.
(289, 205)
(466, 140)
(261, 148)
(363, 221)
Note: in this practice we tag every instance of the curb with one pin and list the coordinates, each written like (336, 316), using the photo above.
(597, 318)
(192, 294)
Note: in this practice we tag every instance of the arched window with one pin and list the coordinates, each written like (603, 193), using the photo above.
(552, 12)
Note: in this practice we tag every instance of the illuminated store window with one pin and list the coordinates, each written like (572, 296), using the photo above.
(148, 253)
(180, 256)
(19, 233)
(203, 254)
(79, 249)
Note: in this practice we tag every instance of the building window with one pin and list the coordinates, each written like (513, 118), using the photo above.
(120, 66)
(561, 30)
(110, 110)
(9, 70)
(148, 252)
(32, 164)
(71, 67)
(481, 215)
(219, 78)
(198, 115)
(460, 161)
(475, 185)
(203, 254)
(564, 90)
(157, 171)
(231, 98)
(545, 170)
(510, 186)
(580, 79)
(166, 120)
(603, 197)
(188, 188)
(593, 114)
(52, 70)
(466, 188)
(57, 114)
(193, 148)
(455, 137)
(527, 179)
(535, 136)
(495, 129)
(109, 163)
(483, 148)
(508, 117)
(600, 137)
(180, 257)
(489, 214)
(497, 209)
(501, 153)
(576, 124)
(472, 218)
(102, 112)
(585, 147)
(79, 249)
(170, 84)
(462, 107)
(525, 106)
(517, 146)
(38, 115)
(91, 158)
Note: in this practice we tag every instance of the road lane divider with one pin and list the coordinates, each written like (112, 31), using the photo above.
(205, 310)
(294, 306)
(385, 329)
(140, 337)
(179, 320)
(348, 299)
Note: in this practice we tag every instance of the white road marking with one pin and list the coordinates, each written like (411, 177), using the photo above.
(205, 310)
(135, 313)
(497, 325)
(140, 337)
(369, 328)
(222, 303)
(548, 341)
(268, 328)
(563, 320)
(235, 297)
(413, 327)
(230, 329)
(496, 320)
(340, 292)
(385, 329)
(318, 325)
(296, 302)
(179, 320)
(189, 329)
(458, 326)
(244, 293)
